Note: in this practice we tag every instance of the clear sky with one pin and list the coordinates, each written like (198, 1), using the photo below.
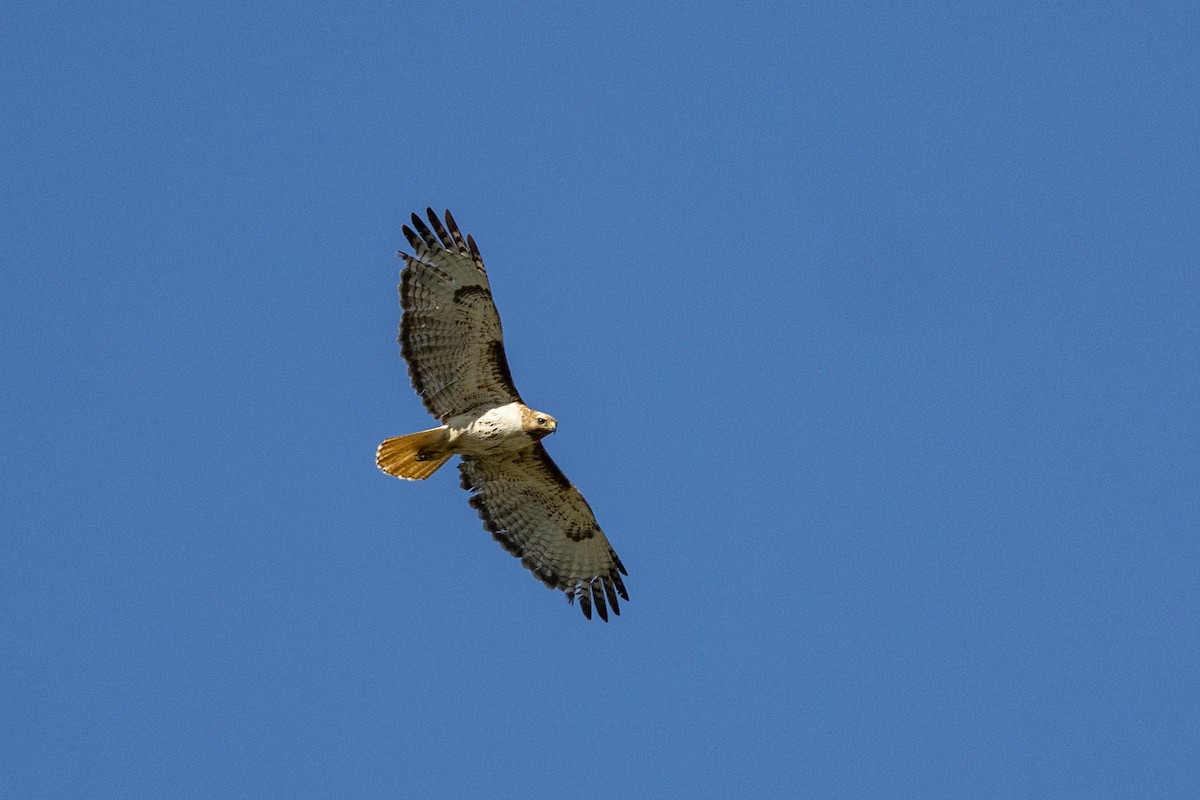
(873, 332)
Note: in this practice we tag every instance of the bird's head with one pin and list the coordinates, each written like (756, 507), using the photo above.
(538, 424)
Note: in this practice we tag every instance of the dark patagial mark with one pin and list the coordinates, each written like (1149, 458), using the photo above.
(552, 469)
(496, 351)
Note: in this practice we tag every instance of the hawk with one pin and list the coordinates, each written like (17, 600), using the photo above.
(450, 336)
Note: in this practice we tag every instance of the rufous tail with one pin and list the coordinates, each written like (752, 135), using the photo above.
(413, 457)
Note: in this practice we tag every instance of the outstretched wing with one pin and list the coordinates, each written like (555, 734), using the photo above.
(450, 331)
(537, 515)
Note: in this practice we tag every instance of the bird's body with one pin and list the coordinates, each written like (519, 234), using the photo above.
(495, 432)
(450, 335)
(498, 430)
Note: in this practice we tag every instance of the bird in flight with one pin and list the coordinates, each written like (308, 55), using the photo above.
(450, 336)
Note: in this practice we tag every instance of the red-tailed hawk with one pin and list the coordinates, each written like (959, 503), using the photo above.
(451, 338)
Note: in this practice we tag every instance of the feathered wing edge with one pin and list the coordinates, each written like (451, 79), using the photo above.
(431, 243)
(599, 592)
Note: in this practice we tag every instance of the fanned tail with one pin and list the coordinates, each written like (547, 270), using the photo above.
(413, 457)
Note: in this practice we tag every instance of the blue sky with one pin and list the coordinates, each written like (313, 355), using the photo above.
(872, 331)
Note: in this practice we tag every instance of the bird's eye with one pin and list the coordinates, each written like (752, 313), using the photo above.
(541, 420)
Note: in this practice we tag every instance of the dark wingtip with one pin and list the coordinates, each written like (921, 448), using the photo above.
(455, 233)
(440, 230)
(619, 585)
(423, 230)
(610, 590)
(598, 598)
(413, 240)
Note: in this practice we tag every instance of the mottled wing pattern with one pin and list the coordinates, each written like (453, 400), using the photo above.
(450, 331)
(531, 508)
